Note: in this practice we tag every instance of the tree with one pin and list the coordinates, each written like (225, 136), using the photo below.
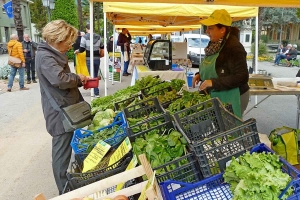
(18, 19)
(66, 10)
(80, 18)
(38, 15)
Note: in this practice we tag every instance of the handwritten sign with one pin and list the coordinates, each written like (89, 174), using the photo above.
(95, 156)
(122, 150)
(131, 165)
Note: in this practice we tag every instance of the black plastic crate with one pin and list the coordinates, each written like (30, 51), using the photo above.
(143, 109)
(205, 120)
(160, 122)
(184, 169)
(120, 105)
(214, 152)
(77, 180)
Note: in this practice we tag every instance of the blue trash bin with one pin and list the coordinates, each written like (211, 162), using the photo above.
(190, 76)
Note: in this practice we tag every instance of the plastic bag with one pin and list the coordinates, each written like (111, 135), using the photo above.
(284, 141)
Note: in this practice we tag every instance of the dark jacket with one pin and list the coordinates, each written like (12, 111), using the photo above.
(76, 45)
(122, 39)
(231, 67)
(85, 45)
(54, 74)
(31, 47)
(292, 53)
(110, 46)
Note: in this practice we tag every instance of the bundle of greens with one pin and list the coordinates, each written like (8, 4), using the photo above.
(257, 176)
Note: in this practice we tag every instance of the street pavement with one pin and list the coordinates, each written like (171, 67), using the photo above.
(25, 145)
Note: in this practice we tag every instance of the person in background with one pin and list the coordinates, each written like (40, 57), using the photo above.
(29, 49)
(110, 44)
(98, 49)
(140, 41)
(124, 41)
(55, 75)
(80, 58)
(14, 48)
(223, 71)
(291, 55)
(282, 55)
(281, 49)
(150, 37)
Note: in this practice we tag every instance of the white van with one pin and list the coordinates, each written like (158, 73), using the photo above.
(196, 47)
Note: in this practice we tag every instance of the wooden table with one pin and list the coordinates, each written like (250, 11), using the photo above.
(279, 90)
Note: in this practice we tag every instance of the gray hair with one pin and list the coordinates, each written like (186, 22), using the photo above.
(14, 36)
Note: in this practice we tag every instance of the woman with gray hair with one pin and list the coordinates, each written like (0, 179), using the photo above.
(55, 76)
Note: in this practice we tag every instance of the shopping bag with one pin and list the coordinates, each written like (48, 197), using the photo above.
(284, 141)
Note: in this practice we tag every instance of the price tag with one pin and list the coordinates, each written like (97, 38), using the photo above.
(96, 155)
(122, 150)
(131, 165)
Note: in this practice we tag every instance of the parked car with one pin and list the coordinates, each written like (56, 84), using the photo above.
(196, 47)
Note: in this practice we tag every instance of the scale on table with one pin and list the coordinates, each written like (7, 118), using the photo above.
(260, 81)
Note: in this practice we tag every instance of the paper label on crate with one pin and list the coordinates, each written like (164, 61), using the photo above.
(143, 195)
(131, 165)
(122, 150)
(95, 156)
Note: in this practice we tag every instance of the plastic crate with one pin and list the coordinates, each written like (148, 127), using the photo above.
(164, 104)
(188, 172)
(214, 188)
(120, 105)
(214, 152)
(185, 168)
(205, 120)
(143, 109)
(83, 133)
(77, 180)
(160, 122)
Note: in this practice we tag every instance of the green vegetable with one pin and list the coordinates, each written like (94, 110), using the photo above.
(110, 112)
(257, 176)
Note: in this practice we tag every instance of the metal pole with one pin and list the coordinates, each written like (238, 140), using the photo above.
(105, 55)
(200, 47)
(256, 49)
(91, 44)
(49, 14)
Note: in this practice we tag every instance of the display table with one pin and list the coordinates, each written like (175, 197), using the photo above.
(140, 71)
(278, 90)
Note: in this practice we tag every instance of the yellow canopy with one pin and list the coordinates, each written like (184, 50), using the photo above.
(164, 14)
(156, 28)
(258, 3)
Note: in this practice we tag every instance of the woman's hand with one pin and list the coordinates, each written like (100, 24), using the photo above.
(196, 80)
(206, 84)
(83, 78)
(23, 64)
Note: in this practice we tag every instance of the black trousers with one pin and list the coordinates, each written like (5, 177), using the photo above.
(61, 155)
(30, 68)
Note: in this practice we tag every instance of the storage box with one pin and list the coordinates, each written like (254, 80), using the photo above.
(214, 188)
(205, 120)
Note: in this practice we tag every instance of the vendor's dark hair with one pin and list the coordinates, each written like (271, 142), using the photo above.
(233, 30)
(226, 27)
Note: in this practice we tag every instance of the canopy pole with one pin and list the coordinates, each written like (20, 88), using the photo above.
(105, 54)
(200, 46)
(256, 50)
(91, 44)
(113, 57)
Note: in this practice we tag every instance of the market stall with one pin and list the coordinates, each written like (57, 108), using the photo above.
(279, 86)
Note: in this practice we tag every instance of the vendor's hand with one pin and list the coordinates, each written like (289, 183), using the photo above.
(83, 78)
(25, 50)
(23, 64)
(206, 84)
(76, 52)
(196, 80)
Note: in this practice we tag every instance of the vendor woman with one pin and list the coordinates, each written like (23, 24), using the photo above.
(224, 72)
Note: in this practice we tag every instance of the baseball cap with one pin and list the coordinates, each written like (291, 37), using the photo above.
(294, 45)
(218, 17)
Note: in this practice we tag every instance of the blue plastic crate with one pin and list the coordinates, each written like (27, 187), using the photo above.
(83, 133)
(214, 188)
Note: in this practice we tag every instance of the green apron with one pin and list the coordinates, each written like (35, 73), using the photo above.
(208, 71)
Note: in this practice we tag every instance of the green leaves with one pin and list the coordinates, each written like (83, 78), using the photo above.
(160, 149)
(256, 176)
